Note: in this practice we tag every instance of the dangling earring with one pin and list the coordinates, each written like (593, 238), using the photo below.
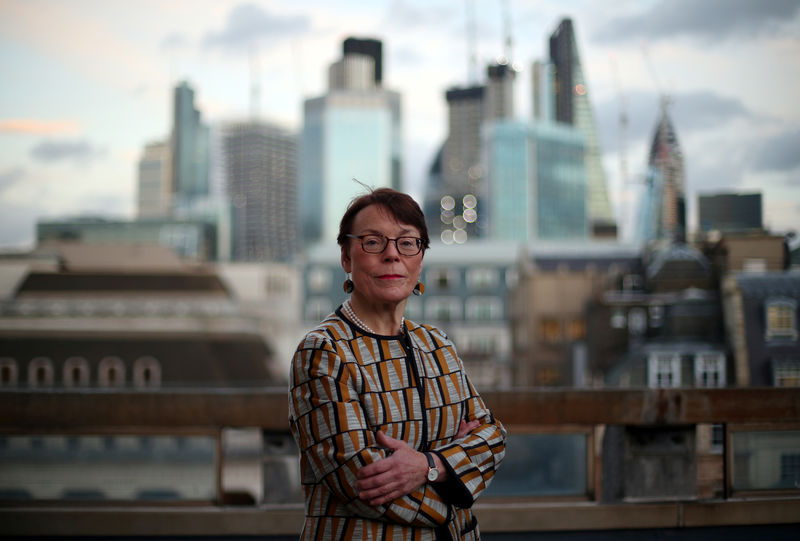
(348, 285)
(419, 289)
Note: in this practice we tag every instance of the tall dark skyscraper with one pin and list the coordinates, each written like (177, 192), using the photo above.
(456, 183)
(369, 47)
(572, 106)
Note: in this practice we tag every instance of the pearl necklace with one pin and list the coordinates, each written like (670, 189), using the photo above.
(350, 313)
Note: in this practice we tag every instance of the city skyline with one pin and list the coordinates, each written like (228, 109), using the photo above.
(85, 96)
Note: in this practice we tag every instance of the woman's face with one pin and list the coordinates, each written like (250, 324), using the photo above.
(388, 277)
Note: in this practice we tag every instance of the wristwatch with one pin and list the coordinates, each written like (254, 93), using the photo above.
(433, 473)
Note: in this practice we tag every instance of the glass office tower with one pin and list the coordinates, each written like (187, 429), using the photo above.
(351, 135)
(537, 188)
(572, 106)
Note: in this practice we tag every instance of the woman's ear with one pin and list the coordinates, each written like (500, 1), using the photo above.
(346, 260)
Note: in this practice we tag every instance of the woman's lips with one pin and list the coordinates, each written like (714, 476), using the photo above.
(390, 276)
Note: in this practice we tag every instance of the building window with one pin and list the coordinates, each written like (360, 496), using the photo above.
(277, 284)
(484, 308)
(656, 312)
(618, 319)
(76, 372)
(443, 309)
(709, 369)
(442, 279)
(790, 469)
(664, 370)
(781, 319)
(481, 345)
(550, 330)
(482, 279)
(631, 282)
(512, 278)
(576, 329)
(754, 265)
(786, 373)
(111, 372)
(637, 321)
(319, 279)
(40, 372)
(717, 438)
(147, 373)
(317, 308)
(8, 372)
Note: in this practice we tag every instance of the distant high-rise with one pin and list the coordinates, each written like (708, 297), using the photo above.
(190, 148)
(730, 212)
(662, 214)
(261, 170)
(350, 134)
(500, 91)
(456, 198)
(457, 185)
(537, 188)
(154, 199)
(369, 47)
(542, 85)
(572, 106)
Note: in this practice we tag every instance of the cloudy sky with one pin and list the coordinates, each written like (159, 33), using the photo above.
(86, 83)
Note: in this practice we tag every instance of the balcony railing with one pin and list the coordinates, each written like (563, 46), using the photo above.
(576, 460)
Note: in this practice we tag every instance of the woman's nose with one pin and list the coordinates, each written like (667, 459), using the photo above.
(390, 252)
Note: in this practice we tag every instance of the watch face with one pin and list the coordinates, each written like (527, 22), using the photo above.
(433, 474)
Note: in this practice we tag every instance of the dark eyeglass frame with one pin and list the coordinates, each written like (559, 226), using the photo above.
(385, 240)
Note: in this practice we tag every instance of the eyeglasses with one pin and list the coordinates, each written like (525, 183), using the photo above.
(376, 244)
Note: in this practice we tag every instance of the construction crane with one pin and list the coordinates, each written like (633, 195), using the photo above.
(623, 122)
(255, 82)
(472, 43)
(508, 42)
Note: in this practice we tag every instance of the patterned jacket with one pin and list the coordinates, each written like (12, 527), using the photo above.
(345, 385)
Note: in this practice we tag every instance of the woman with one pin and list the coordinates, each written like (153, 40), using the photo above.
(394, 441)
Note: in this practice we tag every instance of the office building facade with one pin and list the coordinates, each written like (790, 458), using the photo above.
(154, 197)
(572, 106)
(351, 138)
(730, 212)
(190, 148)
(537, 181)
(261, 171)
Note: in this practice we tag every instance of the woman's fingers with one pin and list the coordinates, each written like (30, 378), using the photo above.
(466, 427)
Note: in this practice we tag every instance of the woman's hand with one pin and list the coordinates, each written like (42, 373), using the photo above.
(402, 471)
(394, 476)
(467, 427)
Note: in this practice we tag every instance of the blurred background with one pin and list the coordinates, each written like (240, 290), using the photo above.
(612, 191)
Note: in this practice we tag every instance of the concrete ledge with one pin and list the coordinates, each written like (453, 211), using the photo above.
(287, 520)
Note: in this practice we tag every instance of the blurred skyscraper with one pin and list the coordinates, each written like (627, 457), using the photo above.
(662, 214)
(369, 47)
(730, 212)
(572, 106)
(537, 181)
(154, 198)
(260, 165)
(456, 198)
(190, 148)
(351, 133)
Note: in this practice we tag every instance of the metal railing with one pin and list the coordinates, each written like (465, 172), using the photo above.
(523, 411)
